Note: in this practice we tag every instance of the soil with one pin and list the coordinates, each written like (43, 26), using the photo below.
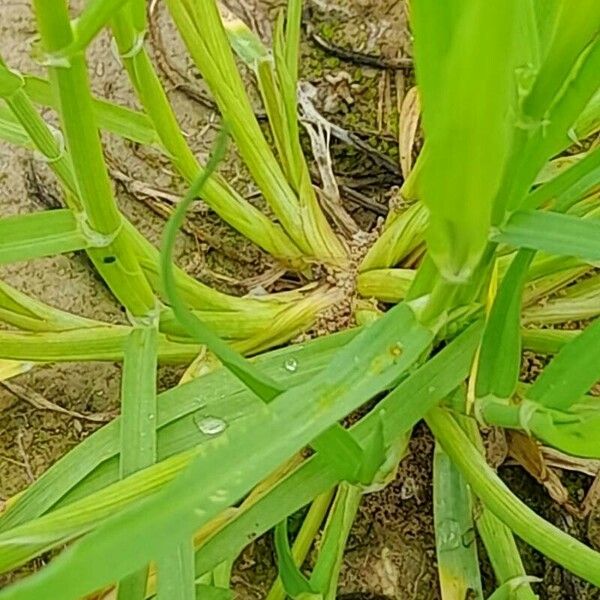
(356, 53)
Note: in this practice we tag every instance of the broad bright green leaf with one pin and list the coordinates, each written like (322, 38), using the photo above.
(465, 70)
(554, 233)
(46, 233)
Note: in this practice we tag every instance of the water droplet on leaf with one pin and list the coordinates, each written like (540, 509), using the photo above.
(290, 364)
(212, 425)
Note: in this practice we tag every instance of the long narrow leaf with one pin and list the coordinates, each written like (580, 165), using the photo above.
(24, 237)
(554, 233)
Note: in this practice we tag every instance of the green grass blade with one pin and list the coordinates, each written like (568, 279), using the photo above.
(573, 31)
(91, 20)
(332, 543)
(500, 355)
(497, 538)
(456, 549)
(304, 538)
(571, 185)
(529, 526)
(127, 123)
(360, 370)
(176, 576)
(46, 233)
(572, 372)
(138, 425)
(295, 583)
(553, 233)
(465, 95)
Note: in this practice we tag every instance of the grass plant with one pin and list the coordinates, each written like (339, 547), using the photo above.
(498, 240)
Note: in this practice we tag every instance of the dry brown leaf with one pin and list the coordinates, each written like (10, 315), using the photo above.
(410, 113)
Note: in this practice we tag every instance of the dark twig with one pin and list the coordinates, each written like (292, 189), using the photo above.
(367, 60)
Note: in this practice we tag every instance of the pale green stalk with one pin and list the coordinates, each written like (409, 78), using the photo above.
(489, 488)
(202, 30)
(116, 261)
(129, 29)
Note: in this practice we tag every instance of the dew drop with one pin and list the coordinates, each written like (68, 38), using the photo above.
(431, 389)
(212, 425)
(290, 364)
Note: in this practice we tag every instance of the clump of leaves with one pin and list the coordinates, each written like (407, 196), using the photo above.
(161, 501)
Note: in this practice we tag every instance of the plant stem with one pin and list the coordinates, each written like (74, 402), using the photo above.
(491, 490)
(116, 260)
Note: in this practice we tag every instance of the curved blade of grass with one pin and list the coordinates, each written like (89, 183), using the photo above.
(256, 381)
(340, 445)
(497, 538)
(552, 232)
(46, 233)
(529, 526)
